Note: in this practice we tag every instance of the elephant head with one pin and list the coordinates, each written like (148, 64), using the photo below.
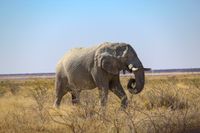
(120, 56)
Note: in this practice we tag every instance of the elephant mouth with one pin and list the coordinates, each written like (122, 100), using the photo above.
(131, 86)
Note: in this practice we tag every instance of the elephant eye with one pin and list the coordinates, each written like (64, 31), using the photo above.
(127, 56)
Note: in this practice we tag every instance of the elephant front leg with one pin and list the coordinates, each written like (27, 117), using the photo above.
(103, 95)
(118, 90)
(122, 95)
(102, 82)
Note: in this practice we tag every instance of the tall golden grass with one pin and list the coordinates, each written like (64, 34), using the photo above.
(168, 104)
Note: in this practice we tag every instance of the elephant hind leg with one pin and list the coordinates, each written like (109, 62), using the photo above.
(75, 97)
(61, 90)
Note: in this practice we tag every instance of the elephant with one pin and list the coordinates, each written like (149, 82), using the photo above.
(98, 66)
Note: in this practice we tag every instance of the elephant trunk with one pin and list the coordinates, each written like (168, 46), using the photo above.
(136, 85)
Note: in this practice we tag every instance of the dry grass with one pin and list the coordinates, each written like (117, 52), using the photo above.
(168, 104)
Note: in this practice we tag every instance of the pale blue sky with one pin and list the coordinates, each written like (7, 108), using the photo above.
(34, 34)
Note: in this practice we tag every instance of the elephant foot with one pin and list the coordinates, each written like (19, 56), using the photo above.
(75, 102)
(57, 102)
(75, 98)
(123, 106)
(102, 112)
(56, 105)
(124, 102)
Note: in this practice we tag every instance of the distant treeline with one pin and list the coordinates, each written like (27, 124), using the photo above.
(152, 71)
(175, 70)
(28, 74)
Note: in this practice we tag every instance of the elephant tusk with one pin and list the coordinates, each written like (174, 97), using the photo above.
(130, 66)
(134, 69)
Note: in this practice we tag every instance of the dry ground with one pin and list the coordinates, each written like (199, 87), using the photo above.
(168, 104)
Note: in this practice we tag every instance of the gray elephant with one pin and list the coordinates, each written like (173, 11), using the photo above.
(98, 66)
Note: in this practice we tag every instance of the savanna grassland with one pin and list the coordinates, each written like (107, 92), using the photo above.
(168, 104)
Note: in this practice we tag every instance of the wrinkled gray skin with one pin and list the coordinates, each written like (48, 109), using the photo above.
(99, 66)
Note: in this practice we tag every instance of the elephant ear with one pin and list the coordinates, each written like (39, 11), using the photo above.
(109, 63)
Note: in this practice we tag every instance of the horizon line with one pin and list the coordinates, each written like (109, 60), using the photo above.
(152, 70)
